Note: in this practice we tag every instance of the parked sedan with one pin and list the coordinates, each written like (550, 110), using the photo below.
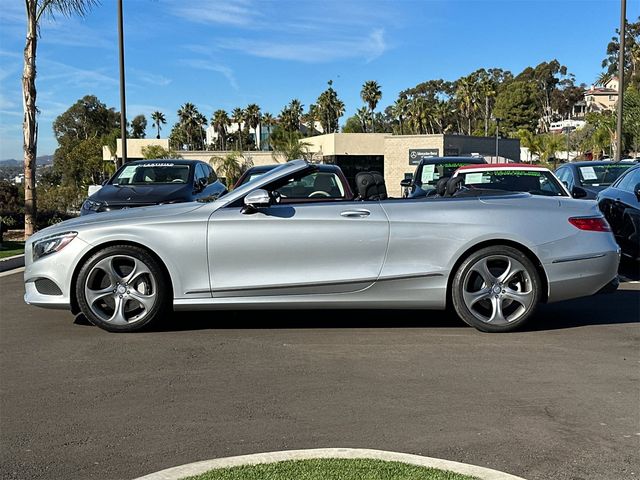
(492, 258)
(430, 170)
(587, 179)
(620, 204)
(512, 177)
(151, 182)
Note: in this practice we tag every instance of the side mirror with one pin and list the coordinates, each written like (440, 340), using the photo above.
(406, 183)
(578, 192)
(255, 200)
(636, 190)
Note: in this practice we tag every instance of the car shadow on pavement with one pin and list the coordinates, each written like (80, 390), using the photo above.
(621, 307)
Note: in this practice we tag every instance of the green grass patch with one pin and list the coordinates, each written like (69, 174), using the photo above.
(330, 469)
(9, 249)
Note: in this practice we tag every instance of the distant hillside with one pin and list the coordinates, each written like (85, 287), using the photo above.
(12, 162)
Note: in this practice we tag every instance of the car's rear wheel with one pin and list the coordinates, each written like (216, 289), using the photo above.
(122, 289)
(496, 289)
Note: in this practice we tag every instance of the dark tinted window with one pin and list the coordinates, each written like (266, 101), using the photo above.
(201, 172)
(427, 175)
(629, 181)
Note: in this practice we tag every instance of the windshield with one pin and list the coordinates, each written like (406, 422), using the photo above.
(252, 176)
(152, 174)
(535, 182)
(428, 174)
(601, 175)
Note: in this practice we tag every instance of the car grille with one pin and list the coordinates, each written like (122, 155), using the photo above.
(112, 207)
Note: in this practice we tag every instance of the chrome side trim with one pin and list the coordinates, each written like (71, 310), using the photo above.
(582, 257)
(320, 284)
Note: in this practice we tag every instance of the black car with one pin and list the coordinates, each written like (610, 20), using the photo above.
(620, 204)
(152, 182)
(587, 179)
(432, 169)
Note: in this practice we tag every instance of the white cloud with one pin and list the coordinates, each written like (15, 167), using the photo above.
(150, 78)
(213, 67)
(238, 13)
(367, 47)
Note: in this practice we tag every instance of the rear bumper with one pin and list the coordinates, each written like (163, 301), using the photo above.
(610, 287)
(581, 277)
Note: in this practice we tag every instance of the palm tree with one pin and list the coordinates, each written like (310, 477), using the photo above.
(253, 118)
(363, 116)
(189, 120)
(220, 122)
(158, 121)
(201, 122)
(36, 9)
(371, 95)
(238, 116)
(467, 96)
(400, 109)
(231, 167)
(330, 108)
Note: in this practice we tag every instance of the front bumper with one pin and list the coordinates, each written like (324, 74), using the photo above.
(57, 268)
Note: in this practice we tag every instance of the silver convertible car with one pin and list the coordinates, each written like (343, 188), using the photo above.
(294, 238)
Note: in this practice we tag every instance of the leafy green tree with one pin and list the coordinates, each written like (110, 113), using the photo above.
(151, 152)
(85, 119)
(371, 95)
(353, 125)
(632, 54)
(253, 118)
(631, 119)
(400, 111)
(138, 126)
(516, 106)
(158, 121)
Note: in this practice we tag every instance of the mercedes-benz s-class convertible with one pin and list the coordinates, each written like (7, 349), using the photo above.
(294, 238)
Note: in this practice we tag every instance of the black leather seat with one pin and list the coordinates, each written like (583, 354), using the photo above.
(371, 186)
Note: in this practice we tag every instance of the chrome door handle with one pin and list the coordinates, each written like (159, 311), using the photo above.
(355, 213)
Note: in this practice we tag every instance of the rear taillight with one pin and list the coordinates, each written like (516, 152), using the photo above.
(592, 224)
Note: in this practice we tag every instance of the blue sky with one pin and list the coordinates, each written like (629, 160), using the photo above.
(225, 53)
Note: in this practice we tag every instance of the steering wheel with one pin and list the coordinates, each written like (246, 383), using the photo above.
(319, 193)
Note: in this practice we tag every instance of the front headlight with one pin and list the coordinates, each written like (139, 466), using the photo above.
(92, 205)
(51, 244)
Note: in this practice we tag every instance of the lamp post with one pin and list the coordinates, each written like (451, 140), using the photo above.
(123, 103)
(497, 136)
(623, 17)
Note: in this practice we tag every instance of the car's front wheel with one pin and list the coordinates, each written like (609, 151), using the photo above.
(496, 289)
(122, 288)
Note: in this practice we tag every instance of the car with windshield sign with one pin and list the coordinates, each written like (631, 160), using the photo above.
(152, 182)
(586, 179)
(430, 170)
(512, 177)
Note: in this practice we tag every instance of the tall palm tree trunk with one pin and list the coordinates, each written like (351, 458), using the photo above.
(486, 116)
(30, 127)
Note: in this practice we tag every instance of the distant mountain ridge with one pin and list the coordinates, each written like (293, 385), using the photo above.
(12, 162)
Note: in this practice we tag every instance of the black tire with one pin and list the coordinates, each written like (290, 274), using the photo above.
(501, 297)
(123, 288)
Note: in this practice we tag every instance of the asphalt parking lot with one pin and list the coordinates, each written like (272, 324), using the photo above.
(557, 401)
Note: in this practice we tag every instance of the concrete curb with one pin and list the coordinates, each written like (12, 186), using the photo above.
(198, 468)
(11, 272)
(11, 257)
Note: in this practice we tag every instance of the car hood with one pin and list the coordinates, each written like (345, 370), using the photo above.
(118, 194)
(88, 221)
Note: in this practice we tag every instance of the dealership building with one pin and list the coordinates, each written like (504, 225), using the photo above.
(395, 156)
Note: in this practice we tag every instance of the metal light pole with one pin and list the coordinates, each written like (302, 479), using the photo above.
(497, 136)
(623, 18)
(123, 102)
